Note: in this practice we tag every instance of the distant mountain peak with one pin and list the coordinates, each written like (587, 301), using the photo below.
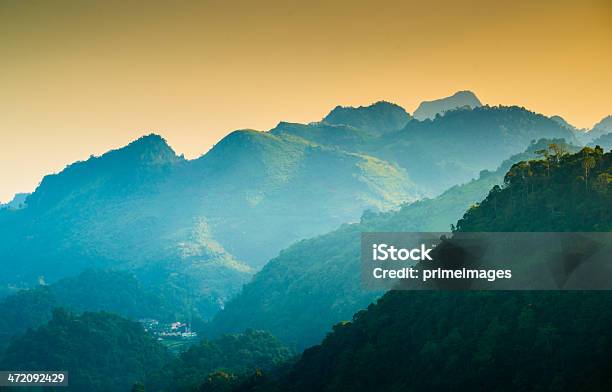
(151, 148)
(605, 124)
(561, 121)
(151, 140)
(380, 117)
(600, 129)
(461, 99)
(18, 202)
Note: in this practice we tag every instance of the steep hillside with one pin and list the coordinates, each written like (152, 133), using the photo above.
(604, 141)
(604, 124)
(566, 192)
(602, 128)
(314, 283)
(432, 341)
(494, 341)
(230, 356)
(119, 210)
(268, 175)
(380, 117)
(344, 137)
(561, 121)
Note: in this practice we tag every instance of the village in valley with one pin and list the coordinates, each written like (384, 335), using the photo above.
(176, 335)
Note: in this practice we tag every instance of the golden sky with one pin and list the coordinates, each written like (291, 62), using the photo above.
(81, 77)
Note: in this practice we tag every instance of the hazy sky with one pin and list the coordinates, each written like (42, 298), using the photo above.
(81, 77)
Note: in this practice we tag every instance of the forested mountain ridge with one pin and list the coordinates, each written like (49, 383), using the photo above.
(169, 220)
(455, 147)
(378, 118)
(229, 357)
(530, 199)
(315, 283)
(117, 211)
(448, 150)
(494, 341)
(278, 172)
(561, 121)
(600, 129)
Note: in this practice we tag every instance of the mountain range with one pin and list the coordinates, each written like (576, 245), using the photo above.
(201, 224)
(202, 227)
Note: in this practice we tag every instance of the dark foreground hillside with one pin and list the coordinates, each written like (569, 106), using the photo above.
(104, 352)
(483, 341)
(101, 352)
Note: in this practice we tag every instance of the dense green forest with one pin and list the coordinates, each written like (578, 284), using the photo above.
(234, 355)
(93, 290)
(101, 351)
(562, 192)
(313, 284)
(493, 341)
(105, 352)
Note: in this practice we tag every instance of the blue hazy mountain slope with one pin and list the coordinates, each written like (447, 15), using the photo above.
(17, 202)
(200, 225)
(380, 117)
(443, 152)
(602, 128)
(453, 148)
(604, 141)
(345, 137)
(252, 183)
(117, 211)
(315, 282)
(561, 121)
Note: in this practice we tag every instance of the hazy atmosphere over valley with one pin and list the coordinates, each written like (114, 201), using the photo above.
(184, 187)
